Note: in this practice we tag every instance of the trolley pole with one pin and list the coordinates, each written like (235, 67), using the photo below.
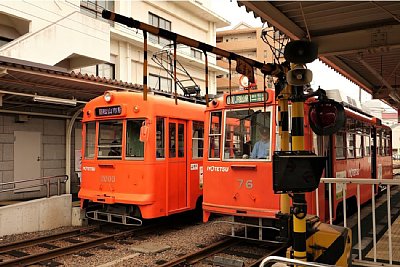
(299, 209)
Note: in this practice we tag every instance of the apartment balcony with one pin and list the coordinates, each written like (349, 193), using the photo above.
(239, 45)
(73, 41)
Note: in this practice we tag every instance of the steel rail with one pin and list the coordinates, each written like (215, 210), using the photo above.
(276, 251)
(203, 253)
(48, 255)
(31, 242)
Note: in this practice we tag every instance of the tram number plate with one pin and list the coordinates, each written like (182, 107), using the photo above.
(247, 183)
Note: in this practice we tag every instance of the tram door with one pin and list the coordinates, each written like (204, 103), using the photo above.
(177, 173)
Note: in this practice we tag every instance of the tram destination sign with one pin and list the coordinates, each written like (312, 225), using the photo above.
(109, 111)
(246, 98)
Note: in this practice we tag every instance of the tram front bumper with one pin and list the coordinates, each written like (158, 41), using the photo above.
(107, 198)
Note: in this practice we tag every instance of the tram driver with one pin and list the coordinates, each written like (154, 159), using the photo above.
(261, 147)
(115, 150)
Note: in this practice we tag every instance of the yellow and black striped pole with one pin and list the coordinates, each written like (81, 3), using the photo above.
(283, 120)
(299, 209)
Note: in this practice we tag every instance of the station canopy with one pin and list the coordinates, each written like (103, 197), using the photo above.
(359, 39)
(32, 88)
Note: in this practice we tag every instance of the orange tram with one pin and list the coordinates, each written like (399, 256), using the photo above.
(238, 179)
(141, 159)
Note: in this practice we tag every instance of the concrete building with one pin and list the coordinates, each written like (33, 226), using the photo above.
(70, 35)
(246, 41)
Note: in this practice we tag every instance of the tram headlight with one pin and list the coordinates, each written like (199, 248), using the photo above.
(107, 97)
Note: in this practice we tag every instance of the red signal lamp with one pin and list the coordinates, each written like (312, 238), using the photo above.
(326, 117)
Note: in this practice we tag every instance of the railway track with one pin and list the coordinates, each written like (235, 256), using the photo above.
(228, 252)
(78, 240)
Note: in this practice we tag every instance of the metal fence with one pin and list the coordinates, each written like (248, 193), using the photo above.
(47, 181)
(388, 184)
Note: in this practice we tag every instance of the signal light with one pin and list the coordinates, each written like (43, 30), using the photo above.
(326, 117)
(296, 171)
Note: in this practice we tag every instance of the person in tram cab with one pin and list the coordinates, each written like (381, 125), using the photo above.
(261, 147)
(115, 150)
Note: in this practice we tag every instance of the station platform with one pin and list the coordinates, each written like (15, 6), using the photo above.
(382, 246)
(42, 214)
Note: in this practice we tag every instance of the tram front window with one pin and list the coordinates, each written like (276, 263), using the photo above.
(248, 134)
(110, 139)
(134, 147)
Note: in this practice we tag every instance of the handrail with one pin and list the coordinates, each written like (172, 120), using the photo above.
(361, 181)
(47, 181)
(275, 259)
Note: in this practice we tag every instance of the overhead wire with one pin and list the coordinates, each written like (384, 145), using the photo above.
(305, 22)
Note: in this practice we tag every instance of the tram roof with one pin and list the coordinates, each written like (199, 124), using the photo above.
(21, 80)
(359, 39)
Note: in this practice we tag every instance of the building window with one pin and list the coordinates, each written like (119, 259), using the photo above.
(106, 70)
(162, 23)
(93, 8)
(4, 40)
(196, 53)
(160, 83)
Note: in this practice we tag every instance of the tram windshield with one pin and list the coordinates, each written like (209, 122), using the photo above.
(247, 134)
(110, 139)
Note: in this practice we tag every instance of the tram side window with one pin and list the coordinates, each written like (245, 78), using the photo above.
(160, 146)
(340, 139)
(367, 140)
(350, 145)
(358, 139)
(359, 147)
(388, 146)
(215, 135)
(172, 140)
(350, 138)
(110, 139)
(367, 146)
(90, 140)
(181, 140)
(197, 139)
(379, 142)
(134, 147)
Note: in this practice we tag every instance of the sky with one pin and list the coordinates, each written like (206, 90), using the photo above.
(323, 76)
